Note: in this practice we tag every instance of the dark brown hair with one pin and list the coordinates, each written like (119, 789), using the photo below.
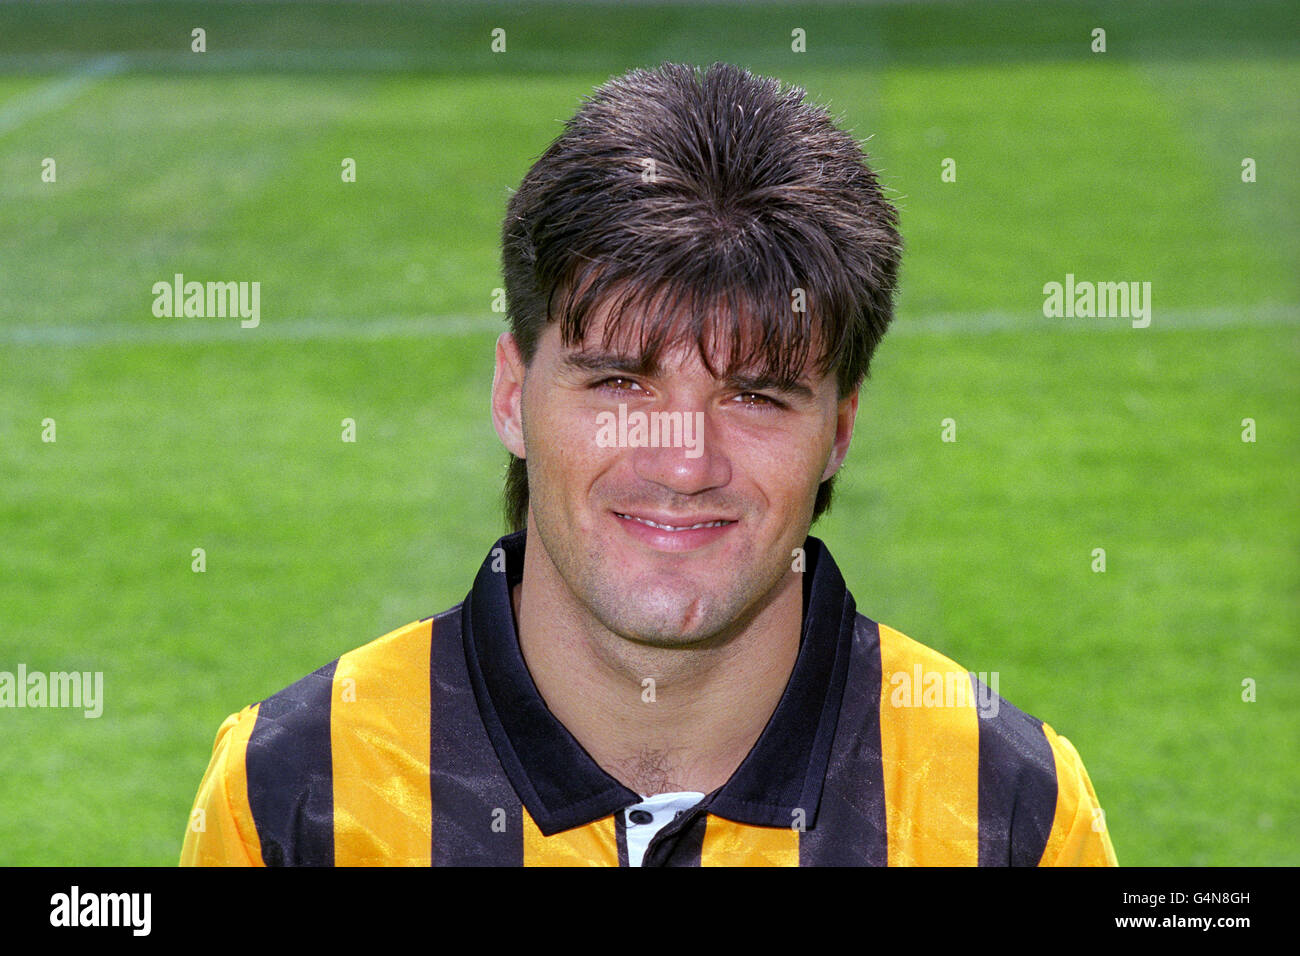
(697, 203)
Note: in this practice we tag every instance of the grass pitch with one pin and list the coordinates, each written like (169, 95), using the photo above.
(1072, 435)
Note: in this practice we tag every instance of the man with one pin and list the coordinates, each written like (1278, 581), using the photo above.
(659, 667)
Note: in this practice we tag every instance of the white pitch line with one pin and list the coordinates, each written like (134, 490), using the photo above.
(160, 332)
(166, 332)
(57, 92)
(983, 323)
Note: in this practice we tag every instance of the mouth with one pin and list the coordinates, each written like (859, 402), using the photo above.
(669, 527)
(672, 533)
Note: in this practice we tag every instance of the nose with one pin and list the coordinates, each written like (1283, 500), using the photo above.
(688, 459)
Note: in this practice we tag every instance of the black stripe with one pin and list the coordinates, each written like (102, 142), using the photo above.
(477, 817)
(1017, 783)
(291, 773)
(620, 837)
(850, 828)
(687, 848)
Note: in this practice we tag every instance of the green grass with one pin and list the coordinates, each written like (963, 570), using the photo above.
(178, 434)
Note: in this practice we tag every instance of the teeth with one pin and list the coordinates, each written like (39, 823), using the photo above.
(668, 527)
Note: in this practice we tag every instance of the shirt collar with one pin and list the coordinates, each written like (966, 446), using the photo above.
(779, 782)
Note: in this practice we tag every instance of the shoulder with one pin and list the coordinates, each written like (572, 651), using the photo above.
(386, 668)
(362, 716)
(922, 688)
(947, 735)
(292, 731)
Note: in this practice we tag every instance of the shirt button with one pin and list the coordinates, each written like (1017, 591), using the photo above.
(641, 816)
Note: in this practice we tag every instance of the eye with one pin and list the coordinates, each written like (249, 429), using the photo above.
(757, 400)
(618, 384)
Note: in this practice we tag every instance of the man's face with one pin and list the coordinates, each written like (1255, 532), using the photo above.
(668, 546)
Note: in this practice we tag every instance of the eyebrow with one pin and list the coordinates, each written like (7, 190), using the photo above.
(596, 360)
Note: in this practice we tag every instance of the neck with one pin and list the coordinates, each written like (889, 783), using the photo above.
(656, 719)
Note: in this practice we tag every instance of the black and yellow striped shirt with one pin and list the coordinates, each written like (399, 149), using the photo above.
(432, 746)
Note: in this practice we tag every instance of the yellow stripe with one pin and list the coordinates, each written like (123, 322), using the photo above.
(930, 756)
(1079, 835)
(379, 735)
(727, 843)
(224, 834)
(238, 787)
(592, 845)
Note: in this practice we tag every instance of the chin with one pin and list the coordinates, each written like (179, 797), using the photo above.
(666, 613)
(659, 632)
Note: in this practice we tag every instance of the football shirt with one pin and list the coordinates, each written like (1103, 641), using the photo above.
(432, 746)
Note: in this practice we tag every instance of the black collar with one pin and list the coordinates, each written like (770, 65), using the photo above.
(563, 787)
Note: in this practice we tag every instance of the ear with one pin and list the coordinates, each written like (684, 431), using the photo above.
(508, 395)
(845, 415)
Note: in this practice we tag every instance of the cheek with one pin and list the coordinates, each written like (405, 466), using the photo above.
(562, 447)
(783, 464)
